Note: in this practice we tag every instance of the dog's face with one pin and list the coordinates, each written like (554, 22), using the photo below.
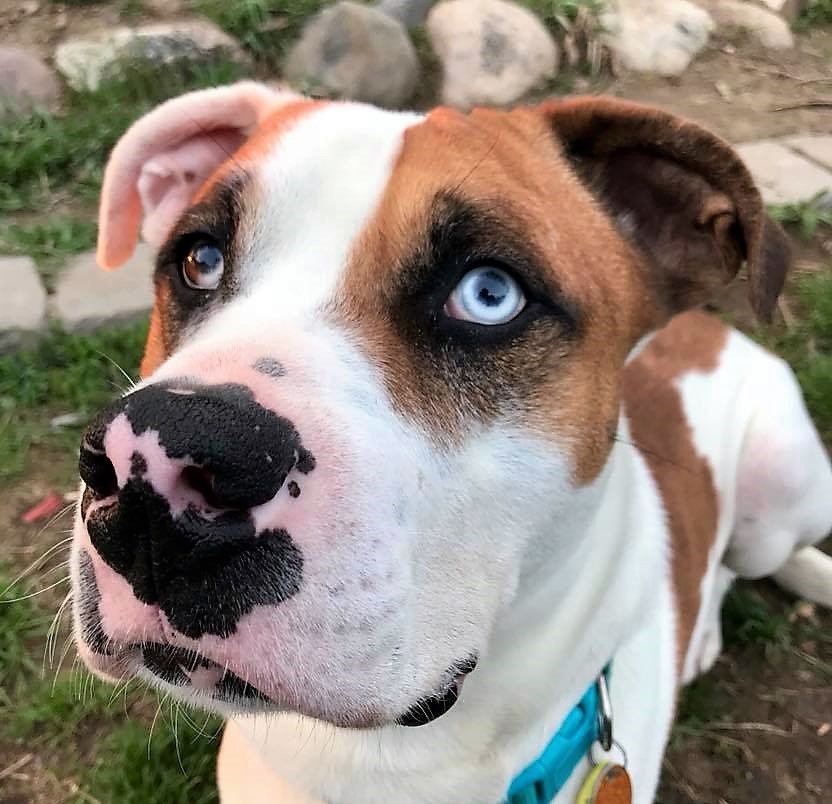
(381, 381)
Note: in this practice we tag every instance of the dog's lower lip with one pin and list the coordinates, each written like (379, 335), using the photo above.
(175, 666)
(429, 709)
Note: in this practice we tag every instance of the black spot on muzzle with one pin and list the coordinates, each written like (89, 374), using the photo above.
(209, 567)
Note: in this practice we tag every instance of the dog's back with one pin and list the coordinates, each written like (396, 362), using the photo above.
(743, 475)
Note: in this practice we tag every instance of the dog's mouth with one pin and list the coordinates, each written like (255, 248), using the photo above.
(202, 680)
(191, 671)
(426, 710)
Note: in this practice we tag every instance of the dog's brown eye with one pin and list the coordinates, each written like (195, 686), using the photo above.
(203, 266)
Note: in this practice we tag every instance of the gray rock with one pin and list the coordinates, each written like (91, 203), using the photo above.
(26, 82)
(783, 176)
(86, 62)
(87, 296)
(356, 52)
(22, 302)
(409, 13)
(769, 29)
(788, 9)
(655, 36)
(492, 52)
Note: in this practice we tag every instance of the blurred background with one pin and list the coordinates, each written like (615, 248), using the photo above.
(75, 74)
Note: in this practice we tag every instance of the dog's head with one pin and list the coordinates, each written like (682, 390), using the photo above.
(381, 380)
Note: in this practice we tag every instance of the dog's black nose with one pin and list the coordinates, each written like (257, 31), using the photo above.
(176, 468)
(228, 448)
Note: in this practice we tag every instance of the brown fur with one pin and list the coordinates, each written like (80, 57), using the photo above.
(155, 351)
(510, 164)
(696, 209)
(660, 430)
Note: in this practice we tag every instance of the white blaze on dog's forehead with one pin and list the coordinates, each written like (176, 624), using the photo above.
(312, 195)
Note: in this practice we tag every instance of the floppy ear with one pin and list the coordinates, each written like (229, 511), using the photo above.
(161, 161)
(681, 194)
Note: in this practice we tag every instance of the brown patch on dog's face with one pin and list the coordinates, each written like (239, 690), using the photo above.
(662, 433)
(492, 189)
(155, 351)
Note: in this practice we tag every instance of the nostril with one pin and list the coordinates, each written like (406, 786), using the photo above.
(201, 480)
(98, 472)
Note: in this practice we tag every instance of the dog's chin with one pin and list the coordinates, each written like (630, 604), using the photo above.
(201, 682)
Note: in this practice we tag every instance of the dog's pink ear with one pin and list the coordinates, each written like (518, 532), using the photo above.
(681, 194)
(161, 161)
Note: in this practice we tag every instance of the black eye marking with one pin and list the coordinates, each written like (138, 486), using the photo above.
(461, 238)
(270, 367)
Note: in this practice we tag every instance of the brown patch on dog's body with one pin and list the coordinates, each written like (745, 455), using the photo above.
(660, 430)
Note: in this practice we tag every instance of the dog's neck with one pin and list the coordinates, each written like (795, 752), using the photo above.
(565, 625)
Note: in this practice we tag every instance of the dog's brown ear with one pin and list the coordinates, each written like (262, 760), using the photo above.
(681, 194)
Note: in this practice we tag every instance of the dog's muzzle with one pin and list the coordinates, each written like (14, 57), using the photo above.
(173, 517)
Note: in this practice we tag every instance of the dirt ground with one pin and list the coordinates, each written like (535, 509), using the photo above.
(772, 742)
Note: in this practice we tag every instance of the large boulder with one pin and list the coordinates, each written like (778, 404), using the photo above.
(768, 28)
(656, 36)
(26, 82)
(357, 52)
(492, 52)
(87, 61)
(788, 9)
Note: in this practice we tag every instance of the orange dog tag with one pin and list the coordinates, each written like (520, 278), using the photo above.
(606, 784)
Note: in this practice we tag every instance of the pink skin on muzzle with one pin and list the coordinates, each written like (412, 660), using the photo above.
(323, 650)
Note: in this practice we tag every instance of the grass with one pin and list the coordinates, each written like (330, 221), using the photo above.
(64, 373)
(48, 242)
(46, 157)
(807, 346)
(264, 27)
(87, 733)
(748, 619)
(817, 12)
(554, 12)
(805, 217)
(19, 625)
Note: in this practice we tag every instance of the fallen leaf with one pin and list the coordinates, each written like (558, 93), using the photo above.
(49, 505)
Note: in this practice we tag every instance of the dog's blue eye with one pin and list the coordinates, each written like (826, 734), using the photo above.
(486, 295)
(203, 266)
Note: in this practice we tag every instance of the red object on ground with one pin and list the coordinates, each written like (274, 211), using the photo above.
(49, 505)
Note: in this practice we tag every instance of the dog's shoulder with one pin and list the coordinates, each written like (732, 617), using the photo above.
(662, 430)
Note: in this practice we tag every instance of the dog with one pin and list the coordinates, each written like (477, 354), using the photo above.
(436, 476)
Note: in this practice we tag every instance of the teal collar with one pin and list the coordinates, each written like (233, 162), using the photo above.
(589, 721)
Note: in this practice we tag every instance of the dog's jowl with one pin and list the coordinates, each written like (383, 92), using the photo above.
(431, 485)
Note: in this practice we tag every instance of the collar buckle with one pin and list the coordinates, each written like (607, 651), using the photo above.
(604, 712)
